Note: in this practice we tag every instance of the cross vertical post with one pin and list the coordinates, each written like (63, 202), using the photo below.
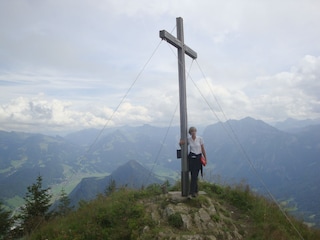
(182, 50)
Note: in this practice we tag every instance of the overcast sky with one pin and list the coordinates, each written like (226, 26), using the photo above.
(70, 64)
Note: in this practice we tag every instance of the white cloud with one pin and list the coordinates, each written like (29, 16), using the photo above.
(42, 115)
(70, 63)
(294, 93)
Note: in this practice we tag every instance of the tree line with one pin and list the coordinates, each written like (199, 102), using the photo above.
(33, 212)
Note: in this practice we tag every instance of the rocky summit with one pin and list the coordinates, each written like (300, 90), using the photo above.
(152, 212)
(194, 218)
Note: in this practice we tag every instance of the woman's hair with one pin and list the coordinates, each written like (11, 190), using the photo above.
(191, 129)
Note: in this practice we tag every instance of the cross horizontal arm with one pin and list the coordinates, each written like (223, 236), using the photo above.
(177, 43)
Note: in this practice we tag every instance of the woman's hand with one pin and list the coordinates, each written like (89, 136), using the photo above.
(182, 142)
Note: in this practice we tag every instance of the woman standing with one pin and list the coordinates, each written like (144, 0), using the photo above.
(196, 145)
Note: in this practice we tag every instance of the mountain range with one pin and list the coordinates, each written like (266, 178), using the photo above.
(132, 174)
(274, 162)
(277, 164)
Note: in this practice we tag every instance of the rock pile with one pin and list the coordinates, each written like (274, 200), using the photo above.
(198, 218)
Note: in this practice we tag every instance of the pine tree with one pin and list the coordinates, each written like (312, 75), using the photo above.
(5, 221)
(111, 187)
(64, 204)
(37, 204)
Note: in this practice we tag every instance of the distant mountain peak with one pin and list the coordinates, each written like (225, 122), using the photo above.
(295, 125)
(133, 163)
(131, 170)
(131, 174)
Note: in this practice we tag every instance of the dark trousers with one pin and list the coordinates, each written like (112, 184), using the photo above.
(194, 181)
(194, 168)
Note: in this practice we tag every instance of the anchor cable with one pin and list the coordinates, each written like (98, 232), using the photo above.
(82, 157)
(243, 151)
(237, 142)
(165, 136)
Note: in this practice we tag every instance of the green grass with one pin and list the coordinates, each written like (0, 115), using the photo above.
(164, 173)
(18, 163)
(175, 220)
(75, 179)
(267, 220)
(123, 215)
(119, 216)
(15, 201)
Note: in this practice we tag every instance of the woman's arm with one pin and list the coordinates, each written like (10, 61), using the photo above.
(203, 151)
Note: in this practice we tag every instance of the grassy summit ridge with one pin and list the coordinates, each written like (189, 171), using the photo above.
(224, 212)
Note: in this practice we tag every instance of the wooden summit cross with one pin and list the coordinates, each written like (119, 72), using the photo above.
(182, 49)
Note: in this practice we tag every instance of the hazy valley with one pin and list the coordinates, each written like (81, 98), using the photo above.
(284, 162)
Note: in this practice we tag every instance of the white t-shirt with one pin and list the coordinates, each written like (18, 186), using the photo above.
(195, 145)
